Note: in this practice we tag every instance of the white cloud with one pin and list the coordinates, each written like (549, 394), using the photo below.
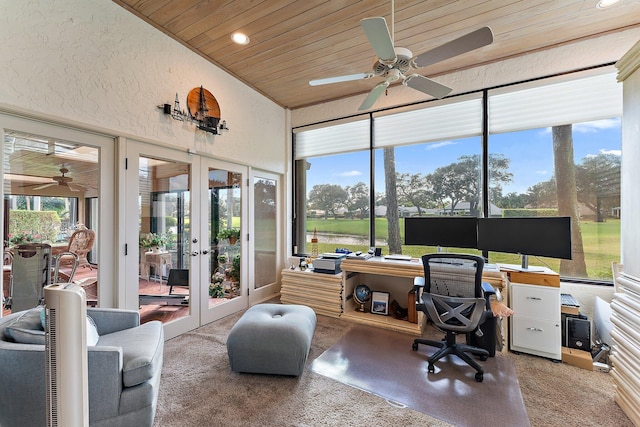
(542, 172)
(350, 173)
(603, 151)
(435, 145)
(591, 127)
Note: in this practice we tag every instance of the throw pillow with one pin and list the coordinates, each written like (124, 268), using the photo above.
(92, 332)
(26, 328)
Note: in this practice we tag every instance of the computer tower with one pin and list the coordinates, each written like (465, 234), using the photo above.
(578, 333)
(488, 339)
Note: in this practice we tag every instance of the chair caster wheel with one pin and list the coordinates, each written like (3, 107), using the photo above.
(431, 368)
(415, 346)
(484, 358)
(479, 376)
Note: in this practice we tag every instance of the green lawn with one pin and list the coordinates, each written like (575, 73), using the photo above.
(601, 242)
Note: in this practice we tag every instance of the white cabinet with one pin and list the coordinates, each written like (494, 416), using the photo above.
(535, 324)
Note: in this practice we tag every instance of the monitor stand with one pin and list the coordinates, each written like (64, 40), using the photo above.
(525, 265)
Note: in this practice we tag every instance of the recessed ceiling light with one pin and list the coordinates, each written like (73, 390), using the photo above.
(240, 38)
(606, 3)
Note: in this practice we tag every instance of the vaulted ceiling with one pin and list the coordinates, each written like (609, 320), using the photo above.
(294, 41)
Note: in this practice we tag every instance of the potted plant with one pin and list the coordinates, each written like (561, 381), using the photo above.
(233, 234)
(234, 272)
(153, 241)
(223, 258)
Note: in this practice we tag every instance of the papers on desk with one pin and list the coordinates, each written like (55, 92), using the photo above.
(398, 257)
(361, 256)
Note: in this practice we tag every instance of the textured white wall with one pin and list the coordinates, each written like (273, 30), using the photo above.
(586, 53)
(93, 64)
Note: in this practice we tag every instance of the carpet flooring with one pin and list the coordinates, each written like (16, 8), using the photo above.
(198, 389)
(399, 374)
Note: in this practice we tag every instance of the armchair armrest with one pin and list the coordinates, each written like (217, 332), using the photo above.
(109, 320)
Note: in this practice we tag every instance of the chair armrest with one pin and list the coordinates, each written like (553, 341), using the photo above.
(105, 381)
(418, 288)
(110, 320)
(488, 290)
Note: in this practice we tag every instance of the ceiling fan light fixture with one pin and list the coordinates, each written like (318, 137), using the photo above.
(603, 4)
(240, 38)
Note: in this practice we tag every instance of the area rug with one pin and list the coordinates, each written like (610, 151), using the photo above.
(382, 362)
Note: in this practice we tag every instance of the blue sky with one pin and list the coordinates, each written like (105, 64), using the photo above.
(530, 153)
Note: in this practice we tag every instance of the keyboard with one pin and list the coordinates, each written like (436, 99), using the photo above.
(569, 300)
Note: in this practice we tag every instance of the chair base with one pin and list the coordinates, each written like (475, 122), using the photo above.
(449, 346)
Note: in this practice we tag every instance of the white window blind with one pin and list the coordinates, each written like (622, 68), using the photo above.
(332, 139)
(593, 97)
(449, 119)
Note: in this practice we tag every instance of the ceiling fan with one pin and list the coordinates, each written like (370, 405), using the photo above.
(393, 63)
(62, 180)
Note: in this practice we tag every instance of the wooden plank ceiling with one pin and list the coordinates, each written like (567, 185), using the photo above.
(294, 41)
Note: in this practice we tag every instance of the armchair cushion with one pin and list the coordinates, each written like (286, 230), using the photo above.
(141, 351)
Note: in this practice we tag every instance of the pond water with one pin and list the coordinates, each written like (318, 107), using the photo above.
(345, 239)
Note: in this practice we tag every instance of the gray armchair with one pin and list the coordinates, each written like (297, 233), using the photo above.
(124, 370)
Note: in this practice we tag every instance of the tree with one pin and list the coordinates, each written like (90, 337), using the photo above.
(327, 197)
(543, 194)
(358, 199)
(512, 200)
(567, 198)
(598, 183)
(460, 181)
(393, 222)
(413, 190)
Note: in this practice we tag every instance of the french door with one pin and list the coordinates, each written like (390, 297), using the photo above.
(264, 193)
(181, 267)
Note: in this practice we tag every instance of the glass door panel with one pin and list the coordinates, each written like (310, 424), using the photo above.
(226, 292)
(264, 245)
(167, 289)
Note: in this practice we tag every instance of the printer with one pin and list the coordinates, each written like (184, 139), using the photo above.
(328, 263)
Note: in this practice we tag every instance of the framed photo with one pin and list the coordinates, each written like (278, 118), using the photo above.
(380, 303)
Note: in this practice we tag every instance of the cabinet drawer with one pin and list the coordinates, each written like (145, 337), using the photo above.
(535, 334)
(536, 301)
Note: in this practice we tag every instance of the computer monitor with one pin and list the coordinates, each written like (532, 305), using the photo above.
(446, 231)
(542, 236)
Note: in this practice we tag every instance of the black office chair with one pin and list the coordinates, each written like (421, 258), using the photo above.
(177, 277)
(454, 298)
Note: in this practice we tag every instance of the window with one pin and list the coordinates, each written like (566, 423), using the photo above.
(553, 149)
(564, 155)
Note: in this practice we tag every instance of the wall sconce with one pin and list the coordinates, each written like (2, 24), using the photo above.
(202, 110)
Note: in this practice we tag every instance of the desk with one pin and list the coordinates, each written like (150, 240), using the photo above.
(157, 260)
(331, 294)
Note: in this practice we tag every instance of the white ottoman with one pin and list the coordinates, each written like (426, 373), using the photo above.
(272, 339)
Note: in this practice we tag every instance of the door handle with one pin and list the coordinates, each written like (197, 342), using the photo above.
(194, 253)
(205, 252)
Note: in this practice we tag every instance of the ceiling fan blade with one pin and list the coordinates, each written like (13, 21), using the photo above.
(428, 86)
(40, 187)
(474, 40)
(339, 79)
(75, 187)
(373, 95)
(378, 34)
